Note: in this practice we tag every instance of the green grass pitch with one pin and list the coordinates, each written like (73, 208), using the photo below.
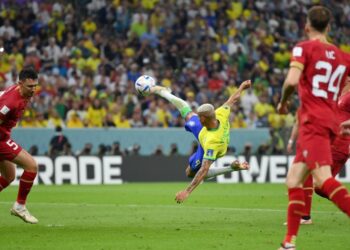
(145, 216)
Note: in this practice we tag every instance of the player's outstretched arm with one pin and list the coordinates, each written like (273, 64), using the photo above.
(198, 178)
(235, 96)
(289, 85)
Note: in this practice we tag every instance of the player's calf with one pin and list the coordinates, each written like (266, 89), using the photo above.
(4, 183)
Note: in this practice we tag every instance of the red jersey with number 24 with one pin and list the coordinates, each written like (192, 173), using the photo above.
(12, 106)
(324, 72)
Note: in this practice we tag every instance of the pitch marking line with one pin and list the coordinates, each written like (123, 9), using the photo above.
(266, 210)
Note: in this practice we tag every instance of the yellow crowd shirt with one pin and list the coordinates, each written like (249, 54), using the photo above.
(215, 141)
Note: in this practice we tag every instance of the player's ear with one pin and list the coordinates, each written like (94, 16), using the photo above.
(307, 29)
(328, 28)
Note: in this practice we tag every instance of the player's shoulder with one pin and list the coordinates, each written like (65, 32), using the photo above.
(9, 95)
(301, 48)
(346, 57)
(309, 44)
(223, 108)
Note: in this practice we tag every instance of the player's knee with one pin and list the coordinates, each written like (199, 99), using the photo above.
(318, 182)
(320, 175)
(9, 178)
(293, 183)
(32, 166)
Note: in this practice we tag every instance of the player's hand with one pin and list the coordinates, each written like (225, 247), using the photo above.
(289, 148)
(345, 128)
(245, 85)
(282, 108)
(182, 196)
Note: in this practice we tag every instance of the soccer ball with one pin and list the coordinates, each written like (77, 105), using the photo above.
(143, 84)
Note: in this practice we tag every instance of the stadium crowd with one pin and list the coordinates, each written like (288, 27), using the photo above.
(89, 53)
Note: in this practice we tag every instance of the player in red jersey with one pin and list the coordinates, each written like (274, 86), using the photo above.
(340, 152)
(13, 102)
(318, 69)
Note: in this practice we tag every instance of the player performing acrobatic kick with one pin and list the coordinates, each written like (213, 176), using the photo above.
(211, 128)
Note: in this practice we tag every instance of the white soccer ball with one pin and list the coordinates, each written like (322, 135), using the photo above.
(143, 84)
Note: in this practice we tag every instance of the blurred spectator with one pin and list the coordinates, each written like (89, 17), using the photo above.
(158, 151)
(136, 149)
(95, 114)
(33, 150)
(248, 101)
(122, 122)
(87, 150)
(276, 143)
(108, 122)
(74, 121)
(7, 30)
(247, 151)
(262, 150)
(173, 149)
(57, 142)
(116, 150)
(102, 150)
(67, 149)
(55, 120)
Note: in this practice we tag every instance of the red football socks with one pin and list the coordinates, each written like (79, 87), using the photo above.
(338, 194)
(25, 184)
(308, 191)
(296, 209)
(3, 183)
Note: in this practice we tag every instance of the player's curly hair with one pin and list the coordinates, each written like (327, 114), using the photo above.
(28, 73)
(319, 17)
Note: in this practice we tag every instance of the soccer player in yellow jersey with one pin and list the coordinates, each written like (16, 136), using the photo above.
(212, 129)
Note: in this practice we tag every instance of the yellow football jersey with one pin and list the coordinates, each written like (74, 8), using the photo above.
(215, 141)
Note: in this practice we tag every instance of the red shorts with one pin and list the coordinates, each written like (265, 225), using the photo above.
(314, 145)
(9, 149)
(340, 153)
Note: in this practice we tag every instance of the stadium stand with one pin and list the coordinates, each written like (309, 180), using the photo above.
(89, 53)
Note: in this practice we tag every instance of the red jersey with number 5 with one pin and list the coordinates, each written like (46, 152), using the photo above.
(324, 72)
(12, 106)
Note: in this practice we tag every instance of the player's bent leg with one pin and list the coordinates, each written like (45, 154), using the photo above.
(308, 189)
(297, 175)
(8, 173)
(180, 104)
(27, 162)
(234, 166)
(334, 190)
(296, 206)
(339, 160)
